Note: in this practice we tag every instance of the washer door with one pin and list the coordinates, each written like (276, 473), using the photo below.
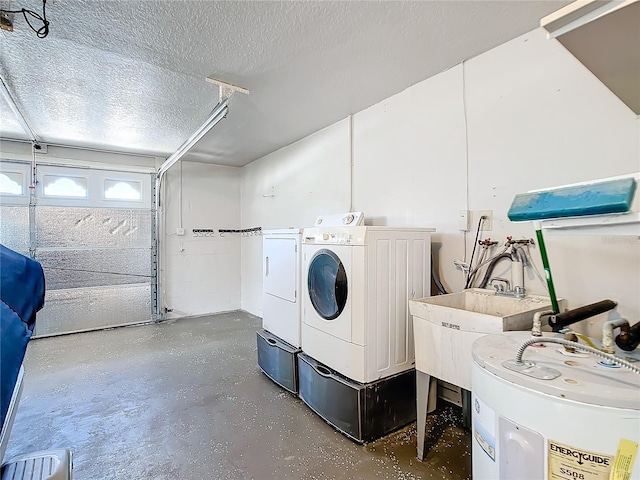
(327, 284)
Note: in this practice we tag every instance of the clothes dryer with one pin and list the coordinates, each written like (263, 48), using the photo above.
(280, 339)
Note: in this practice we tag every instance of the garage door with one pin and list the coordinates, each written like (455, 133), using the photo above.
(92, 232)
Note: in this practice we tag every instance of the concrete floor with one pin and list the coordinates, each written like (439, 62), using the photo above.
(186, 400)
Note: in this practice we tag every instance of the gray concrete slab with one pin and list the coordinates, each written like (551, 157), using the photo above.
(185, 400)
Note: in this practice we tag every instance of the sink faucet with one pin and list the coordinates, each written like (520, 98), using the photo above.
(505, 290)
(499, 287)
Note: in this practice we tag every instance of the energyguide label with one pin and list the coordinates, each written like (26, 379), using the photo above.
(573, 463)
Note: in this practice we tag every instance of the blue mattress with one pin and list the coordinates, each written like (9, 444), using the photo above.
(22, 290)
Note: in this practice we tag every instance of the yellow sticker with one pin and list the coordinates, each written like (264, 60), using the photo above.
(623, 463)
(572, 463)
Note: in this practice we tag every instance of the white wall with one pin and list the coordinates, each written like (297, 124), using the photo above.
(410, 166)
(535, 117)
(309, 178)
(201, 274)
(546, 120)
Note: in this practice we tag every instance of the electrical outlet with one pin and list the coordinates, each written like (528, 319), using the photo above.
(487, 223)
(463, 220)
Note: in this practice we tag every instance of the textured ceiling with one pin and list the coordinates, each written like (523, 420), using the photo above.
(130, 75)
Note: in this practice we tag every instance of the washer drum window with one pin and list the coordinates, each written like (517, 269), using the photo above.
(327, 282)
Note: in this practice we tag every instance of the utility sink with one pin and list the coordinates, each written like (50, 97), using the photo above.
(445, 326)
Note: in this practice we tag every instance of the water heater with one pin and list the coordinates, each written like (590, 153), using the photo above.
(584, 424)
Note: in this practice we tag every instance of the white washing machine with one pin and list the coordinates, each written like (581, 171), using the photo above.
(357, 334)
(359, 281)
(280, 339)
(581, 421)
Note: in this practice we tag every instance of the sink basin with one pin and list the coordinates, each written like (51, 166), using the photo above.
(445, 326)
(479, 310)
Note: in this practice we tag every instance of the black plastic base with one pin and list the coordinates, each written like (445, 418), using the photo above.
(363, 412)
(277, 359)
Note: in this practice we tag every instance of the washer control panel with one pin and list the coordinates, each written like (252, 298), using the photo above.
(351, 219)
(335, 235)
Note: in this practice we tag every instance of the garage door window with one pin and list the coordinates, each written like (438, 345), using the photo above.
(68, 187)
(11, 183)
(122, 190)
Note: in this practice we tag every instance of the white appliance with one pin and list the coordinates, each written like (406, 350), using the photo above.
(281, 310)
(582, 425)
(359, 281)
(357, 335)
(280, 340)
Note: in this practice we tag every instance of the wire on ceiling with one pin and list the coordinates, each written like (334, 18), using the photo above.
(41, 32)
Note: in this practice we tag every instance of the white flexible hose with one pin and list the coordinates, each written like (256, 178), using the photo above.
(577, 346)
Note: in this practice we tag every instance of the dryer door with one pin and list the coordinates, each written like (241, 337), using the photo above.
(280, 267)
(327, 304)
